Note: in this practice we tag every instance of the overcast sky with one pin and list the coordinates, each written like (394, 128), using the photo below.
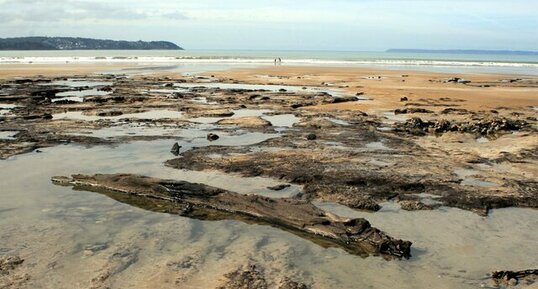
(362, 25)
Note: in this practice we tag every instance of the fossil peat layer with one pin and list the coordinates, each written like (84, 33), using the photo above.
(347, 141)
(209, 203)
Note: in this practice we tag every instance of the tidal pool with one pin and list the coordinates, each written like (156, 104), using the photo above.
(268, 87)
(151, 114)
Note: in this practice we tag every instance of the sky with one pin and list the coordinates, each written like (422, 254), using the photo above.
(346, 25)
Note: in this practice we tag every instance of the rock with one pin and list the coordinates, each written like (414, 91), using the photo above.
(458, 80)
(342, 99)
(109, 112)
(106, 89)
(311, 136)
(412, 110)
(9, 263)
(212, 137)
(410, 205)
(279, 187)
(404, 98)
(185, 263)
(482, 126)
(215, 113)
(175, 149)
(317, 123)
(512, 282)
(247, 121)
(90, 250)
(245, 278)
(366, 204)
(290, 284)
(451, 110)
(512, 278)
(176, 95)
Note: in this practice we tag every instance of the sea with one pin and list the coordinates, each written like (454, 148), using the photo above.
(200, 60)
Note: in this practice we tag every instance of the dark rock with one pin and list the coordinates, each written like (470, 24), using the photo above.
(483, 126)
(212, 137)
(111, 112)
(106, 89)
(175, 149)
(279, 187)
(512, 278)
(452, 110)
(412, 110)
(343, 99)
(404, 98)
(311, 136)
(458, 80)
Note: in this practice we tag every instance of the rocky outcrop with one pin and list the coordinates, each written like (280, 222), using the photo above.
(492, 126)
(199, 201)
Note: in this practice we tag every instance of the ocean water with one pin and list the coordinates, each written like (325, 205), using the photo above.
(166, 59)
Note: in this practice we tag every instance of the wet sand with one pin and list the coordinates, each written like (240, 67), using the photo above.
(472, 194)
(386, 87)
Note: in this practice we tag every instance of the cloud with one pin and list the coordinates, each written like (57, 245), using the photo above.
(283, 24)
(50, 11)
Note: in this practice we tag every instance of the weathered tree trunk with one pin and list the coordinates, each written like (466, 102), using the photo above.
(209, 203)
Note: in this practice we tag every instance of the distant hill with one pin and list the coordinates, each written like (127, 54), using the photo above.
(71, 43)
(465, 51)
